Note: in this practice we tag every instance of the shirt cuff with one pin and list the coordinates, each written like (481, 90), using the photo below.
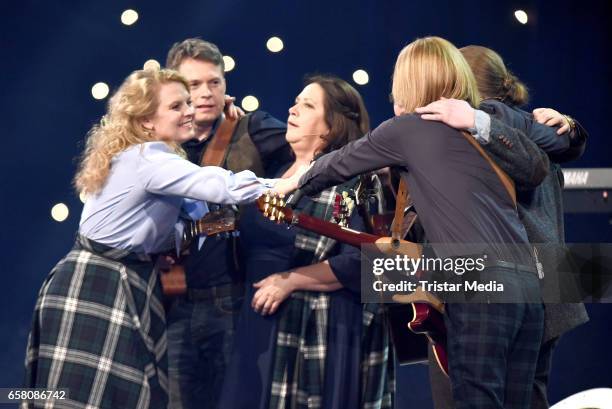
(482, 127)
(193, 209)
(269, 183)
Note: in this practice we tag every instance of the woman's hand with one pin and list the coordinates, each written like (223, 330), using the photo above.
(272, 291)
(455, 113)
(550, 117)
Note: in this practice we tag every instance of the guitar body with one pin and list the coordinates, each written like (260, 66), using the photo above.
(410, 347)
(429, 321)
(426, 330)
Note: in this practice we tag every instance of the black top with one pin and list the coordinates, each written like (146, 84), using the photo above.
(460, 198)
(541, 208)
(214, 264)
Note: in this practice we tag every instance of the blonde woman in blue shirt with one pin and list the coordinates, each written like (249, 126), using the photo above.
(98, 331)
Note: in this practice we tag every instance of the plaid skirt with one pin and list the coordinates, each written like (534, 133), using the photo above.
(99, 332)
(301, 353)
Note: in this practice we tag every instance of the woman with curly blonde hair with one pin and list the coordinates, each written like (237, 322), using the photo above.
(98, 331)
(121, 127)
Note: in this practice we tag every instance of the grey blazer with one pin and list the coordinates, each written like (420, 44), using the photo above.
(540, 207)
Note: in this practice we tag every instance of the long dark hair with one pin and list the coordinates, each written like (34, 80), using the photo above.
(345, 113)
(493, 78)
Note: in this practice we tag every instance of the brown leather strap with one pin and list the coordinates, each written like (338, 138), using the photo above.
(174, 281)
(400, 205)
(402, 220)
(217, 150)
(503, 176)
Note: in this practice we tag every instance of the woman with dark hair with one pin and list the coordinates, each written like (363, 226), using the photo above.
(303, 337)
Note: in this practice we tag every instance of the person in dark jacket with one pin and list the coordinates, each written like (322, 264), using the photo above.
(201, 323)
(541, 207)
(460, 200)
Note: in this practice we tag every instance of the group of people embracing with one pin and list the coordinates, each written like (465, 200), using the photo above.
(272, 317)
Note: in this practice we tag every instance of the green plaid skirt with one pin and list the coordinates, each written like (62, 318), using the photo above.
(99, 332)
(303, 332)
(301, 352)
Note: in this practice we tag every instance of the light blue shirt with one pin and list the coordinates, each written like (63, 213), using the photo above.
(141, 200)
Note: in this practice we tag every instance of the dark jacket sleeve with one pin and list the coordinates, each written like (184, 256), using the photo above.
(559, 148)
(346, 265)
(576, 148)
(376, 150)
(517, 155)
(268, 136)
(542, 135)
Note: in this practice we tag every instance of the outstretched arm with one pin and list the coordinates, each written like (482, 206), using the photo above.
(163, 172)
(375, 150)
(338, 271)
(511, 149)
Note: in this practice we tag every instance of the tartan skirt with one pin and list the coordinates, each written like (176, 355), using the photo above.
(99, 332)
(301, 354)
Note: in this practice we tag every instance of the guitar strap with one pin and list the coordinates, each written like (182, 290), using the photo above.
(403, 220)
(401, 200)
(503, 176)
(174, 281)
(216, 152)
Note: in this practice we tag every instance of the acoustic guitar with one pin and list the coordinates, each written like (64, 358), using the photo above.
(416, 320)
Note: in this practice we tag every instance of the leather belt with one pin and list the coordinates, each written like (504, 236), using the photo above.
(210, 293)
(511, 266)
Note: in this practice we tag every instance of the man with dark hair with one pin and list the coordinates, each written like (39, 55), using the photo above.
(201, 323)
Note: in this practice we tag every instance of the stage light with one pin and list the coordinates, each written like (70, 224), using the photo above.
(361, 77)
(152, 65)
(129, 17)
(83, 197)
(59, 212)
(250, 103)
(275, 44)
(521, 16)
(229, 63)
(100, 90)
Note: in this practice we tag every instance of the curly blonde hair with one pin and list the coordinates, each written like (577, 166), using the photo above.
(136, 99)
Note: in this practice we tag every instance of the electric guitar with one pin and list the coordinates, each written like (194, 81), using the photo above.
(420, 312)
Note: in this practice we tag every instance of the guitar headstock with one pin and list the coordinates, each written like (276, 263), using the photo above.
(273, 206)
(219, 223)
(343, 205)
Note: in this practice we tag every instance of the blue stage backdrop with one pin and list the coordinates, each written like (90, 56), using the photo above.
(53, 53)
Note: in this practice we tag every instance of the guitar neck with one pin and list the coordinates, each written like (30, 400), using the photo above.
(351, 237)
(273, 209)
